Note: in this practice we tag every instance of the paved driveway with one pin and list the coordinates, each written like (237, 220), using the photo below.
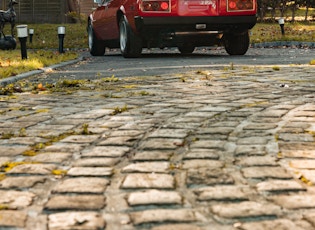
(220, 147)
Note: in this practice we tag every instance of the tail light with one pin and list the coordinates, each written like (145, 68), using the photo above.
(240, 5)
(156, 6)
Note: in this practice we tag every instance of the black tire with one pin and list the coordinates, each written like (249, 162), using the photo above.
(96, 47)
(236, 43)
(186, 49)
(130, 43)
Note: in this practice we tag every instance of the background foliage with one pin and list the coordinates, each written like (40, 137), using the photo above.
(270, 9)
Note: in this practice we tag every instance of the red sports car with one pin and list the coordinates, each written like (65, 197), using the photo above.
(186, 24)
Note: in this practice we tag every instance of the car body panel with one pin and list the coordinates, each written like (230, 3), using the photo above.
(173, 22)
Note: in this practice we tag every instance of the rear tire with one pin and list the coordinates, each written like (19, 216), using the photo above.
(96, 46)
(130, 43)
(186, 49)
(236, 43)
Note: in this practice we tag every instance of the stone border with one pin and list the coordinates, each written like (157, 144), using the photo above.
(283, 43)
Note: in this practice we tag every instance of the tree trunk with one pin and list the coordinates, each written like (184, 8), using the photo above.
(293, 12)
(306, 13)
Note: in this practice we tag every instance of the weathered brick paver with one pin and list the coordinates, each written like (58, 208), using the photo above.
(221, 148)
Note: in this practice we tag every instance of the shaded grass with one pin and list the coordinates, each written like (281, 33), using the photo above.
(46, 36)
(11, 63)
(268, 32)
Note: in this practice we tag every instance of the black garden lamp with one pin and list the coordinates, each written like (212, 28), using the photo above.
(61, 36)
(31, 33)
(22, 35)
(281, 24)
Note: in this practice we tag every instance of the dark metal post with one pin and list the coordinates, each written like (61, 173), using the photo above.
(61, 36)
(281, 23)
(22, 35)
(31, 33)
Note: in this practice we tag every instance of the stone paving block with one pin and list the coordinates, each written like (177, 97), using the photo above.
(279, 224)
(189, 164)
(181, 125)
(105, 151)
(96, 162)
(4, 160)
(118, 141)
(44, 133)
(308, 175)
(36, 221)
(224, 192)
(297, 150)
(77, 202)
(161, 144)
(279, 186)
(208, 144)
(295, 201)
(208, 177)
(257, 161)
(232, 124)
(148, 180)
(65, 147)
(245, 209)
(152, 155)
(151, 197)
(81, 185)
(215, 130)
(76, 220)
(211, 108)
(250, 150)
(177, 227)
(16, 199)
(202, 154)
(310, 217)
(273, 113)
(90, 171)
(80, 138)
(252, 140)
(170, 133)
(91, 114)
(162, 215)
(43, 169)
(25, 140)
(50, 157)
(129, 133)
(302, 164)
(292, 137)
(147, 167)
(9, 218)
(266, 172)
(260, 126)
(13, 150)
(21, 182)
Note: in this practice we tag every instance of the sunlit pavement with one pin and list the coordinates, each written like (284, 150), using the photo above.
(220, 148)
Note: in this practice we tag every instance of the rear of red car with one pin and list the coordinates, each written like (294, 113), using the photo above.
(185, 24)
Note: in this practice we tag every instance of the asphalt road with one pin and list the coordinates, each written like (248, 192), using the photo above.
(170, 61)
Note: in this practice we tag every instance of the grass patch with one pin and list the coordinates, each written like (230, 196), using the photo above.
(269, 32)
(118, 110)
(46, 36)
(11, 63)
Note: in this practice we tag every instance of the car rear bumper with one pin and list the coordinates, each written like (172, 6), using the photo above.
(211, 23)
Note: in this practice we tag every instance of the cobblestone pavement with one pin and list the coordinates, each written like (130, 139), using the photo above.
(220, 148)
